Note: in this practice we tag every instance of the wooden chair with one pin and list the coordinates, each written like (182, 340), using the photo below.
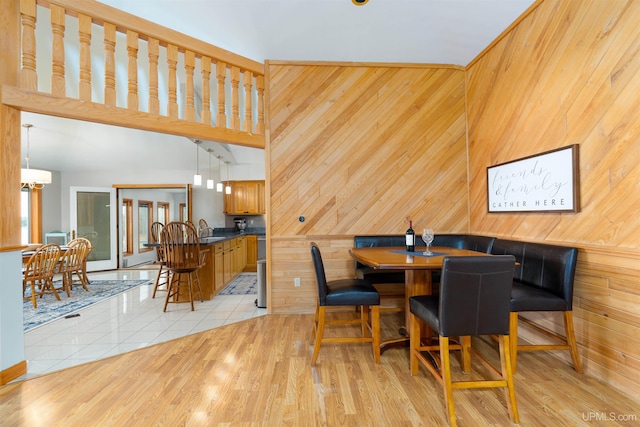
(474, 299)
(182, 255)
(39, 272)
(88, 242)
(162, 280)
(72, 262)
(344, 292)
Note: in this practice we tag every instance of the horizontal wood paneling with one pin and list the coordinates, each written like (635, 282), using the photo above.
(357, 150)
(569, 73)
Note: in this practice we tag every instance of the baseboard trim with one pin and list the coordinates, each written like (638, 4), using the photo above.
(13, 372)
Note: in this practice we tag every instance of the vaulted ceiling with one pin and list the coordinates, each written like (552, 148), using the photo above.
(407, 31)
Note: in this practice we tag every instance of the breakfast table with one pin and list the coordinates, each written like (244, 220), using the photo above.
(417, 267)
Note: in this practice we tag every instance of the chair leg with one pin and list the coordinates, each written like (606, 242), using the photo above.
(571, 340)
(375, 332)
(315, 324)
(465, 354)
(190, 284)
(34, 301)
(507, 374)
(446, 380)
(316, 347)
(364, 319)
(513, 339)
(174, 277)
(414, 344)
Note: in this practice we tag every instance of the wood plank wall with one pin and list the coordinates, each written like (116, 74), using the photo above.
(569, 73)
(357, 149)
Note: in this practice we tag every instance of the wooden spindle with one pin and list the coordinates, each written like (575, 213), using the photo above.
(109, 64)
(221, 74)
(28, 75)
(205, 65)
(248, 112)
(260, 90)
(154, 53)
(132, 69)
(235, 106)
(189, 66)
(84, 35)
(172, 61)
(58, 85)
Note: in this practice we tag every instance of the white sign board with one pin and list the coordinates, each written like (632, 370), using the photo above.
(546, 182)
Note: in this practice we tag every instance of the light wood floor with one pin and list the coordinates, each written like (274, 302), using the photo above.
(257, 373)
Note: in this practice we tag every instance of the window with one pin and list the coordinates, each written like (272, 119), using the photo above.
(163, 213)
(31, 216)
(184, 215)
(24, 216)
(127, 227)
(145, 219)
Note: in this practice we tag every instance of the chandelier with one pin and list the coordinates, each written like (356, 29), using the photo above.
(33, 178)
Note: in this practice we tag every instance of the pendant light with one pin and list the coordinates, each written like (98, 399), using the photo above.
(210, 180)
(197, 178)
(33, 178)
(227, 188)
(219, 185)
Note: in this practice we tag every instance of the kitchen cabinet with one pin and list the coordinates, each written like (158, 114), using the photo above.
(246, 198)
(252, 253)
(218, 271)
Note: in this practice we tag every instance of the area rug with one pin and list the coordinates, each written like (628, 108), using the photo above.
(49, 308)
(244, 284)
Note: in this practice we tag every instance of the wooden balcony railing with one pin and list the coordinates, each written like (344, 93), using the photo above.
(134, 73)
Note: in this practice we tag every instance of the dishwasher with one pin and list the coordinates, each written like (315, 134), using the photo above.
(261, 301)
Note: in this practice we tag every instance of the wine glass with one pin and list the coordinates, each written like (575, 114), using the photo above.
(427, 236)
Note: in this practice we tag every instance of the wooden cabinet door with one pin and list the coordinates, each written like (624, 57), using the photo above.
(252, 253)
(218, 269)
(246, 198)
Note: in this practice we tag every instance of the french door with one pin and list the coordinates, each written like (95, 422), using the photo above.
(93, 216)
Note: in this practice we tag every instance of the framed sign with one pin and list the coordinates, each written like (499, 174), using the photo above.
(545, 182)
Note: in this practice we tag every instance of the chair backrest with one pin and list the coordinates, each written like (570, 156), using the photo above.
(321, 278)
(202, 223)
(156, 230)
(42, 264)
(465, 241)
(548, 267)
(74, 256)
(475, 295)
(180, 246)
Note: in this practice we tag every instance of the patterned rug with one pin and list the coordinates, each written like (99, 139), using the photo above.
(244, 284)
(49, 308)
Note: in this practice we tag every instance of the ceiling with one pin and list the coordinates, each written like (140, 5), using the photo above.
(407, 31)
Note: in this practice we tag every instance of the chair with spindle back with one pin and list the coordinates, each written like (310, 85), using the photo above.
(182, 255)
(39, 272)
(163, 273)
(70, 263)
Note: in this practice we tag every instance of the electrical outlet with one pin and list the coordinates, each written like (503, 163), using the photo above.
(296, 282)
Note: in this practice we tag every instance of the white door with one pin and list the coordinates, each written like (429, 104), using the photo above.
(93, 216)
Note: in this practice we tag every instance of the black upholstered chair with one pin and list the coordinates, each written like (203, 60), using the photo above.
(542, 281)
(344, 292)
(474, 299)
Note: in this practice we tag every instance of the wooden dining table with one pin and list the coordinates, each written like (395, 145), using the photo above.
(417, 267)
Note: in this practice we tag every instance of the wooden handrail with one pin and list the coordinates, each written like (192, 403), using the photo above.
(188, 61)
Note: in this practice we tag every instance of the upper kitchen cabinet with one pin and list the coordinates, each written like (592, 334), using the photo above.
(246, 198)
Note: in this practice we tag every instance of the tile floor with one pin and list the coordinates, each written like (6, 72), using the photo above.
(126, 322)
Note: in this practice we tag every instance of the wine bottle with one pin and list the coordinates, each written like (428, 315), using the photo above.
(410, 238)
